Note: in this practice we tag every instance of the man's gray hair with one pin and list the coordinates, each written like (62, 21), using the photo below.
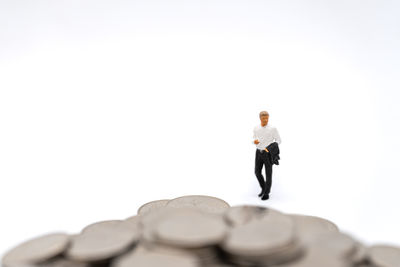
(264, 113)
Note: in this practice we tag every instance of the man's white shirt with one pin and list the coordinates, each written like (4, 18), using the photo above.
(266, 135)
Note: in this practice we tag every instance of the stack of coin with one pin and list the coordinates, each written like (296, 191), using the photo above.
(194, 224)
(102, 241)
(261, 237)
(197, 231)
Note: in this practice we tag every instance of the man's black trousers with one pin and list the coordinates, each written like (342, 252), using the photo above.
(262, 158)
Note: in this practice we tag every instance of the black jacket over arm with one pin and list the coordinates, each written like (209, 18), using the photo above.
(273, 154)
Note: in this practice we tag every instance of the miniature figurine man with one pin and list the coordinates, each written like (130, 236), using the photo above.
(265, 136)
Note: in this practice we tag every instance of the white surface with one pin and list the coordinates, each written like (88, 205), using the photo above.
(105, 105)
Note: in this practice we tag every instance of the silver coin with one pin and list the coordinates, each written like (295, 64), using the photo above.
(100, 225)
(191, 229)
(148, 207)
(260, 237)
(148, 222)
(129, 227)
(102, 241)
(153, 258)
(205, 203)
(338, 244)
(98, 247)
(37, 250)
(151, 221)
(384, 255)
(310, 226)
(286, 254)
(328, 249)
(314, 224)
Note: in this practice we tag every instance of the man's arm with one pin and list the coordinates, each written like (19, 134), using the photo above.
(254, 136)
(277, 137)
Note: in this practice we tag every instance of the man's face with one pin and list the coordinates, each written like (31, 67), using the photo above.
(264, 120)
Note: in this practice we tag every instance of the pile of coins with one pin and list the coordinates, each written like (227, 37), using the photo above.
(197, 231)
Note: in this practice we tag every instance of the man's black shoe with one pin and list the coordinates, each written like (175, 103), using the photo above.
(265, 197)
(262, 192)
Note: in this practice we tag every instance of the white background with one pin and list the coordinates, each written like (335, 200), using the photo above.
(106, 105)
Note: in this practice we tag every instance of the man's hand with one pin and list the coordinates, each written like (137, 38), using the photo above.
(256, 142)
(266, 150)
